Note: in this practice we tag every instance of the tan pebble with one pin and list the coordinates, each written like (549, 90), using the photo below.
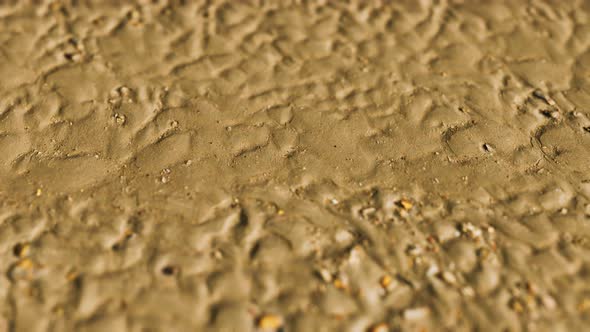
(414, 250)
(416, 313)
(516, 305)
(270, 322)
(385, 281)
(120, 119)
(343, 237)
(134, 17)
(72, 275)
(432, 270)
(468, 291)
(21, 249)
(217, 254)
(338, 283)
(25, 264)
(406, 204)
(128, 233)
(549, 302)
(325, 275)
(381, 327)
(449, 278)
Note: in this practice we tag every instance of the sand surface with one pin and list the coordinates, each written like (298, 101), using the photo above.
(294, 165)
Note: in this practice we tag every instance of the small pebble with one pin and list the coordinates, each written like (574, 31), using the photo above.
(72, 275)
(381, 327)
(416, 313)
(21, 249)
(432, 270)
(516, 305)
(385, 281)
(338, 283)
(270, 322)
(406, 204)
(487, 147)
(449, 278)
(120, 119)
(325, 275)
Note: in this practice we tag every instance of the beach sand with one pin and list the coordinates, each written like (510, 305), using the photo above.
(294, 165)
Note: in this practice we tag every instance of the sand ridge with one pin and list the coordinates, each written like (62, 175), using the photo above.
(297, 165)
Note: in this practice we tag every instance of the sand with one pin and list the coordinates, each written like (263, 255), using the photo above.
(294, 165)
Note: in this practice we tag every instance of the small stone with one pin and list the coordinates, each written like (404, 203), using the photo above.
(517, 305)
(406, 204)
(416, 313)
(541, 95)
(125, 90)
(471, 231)
(344, 237)
(487, 147)
(449, 278)
(549, 302)
(26, 264)
(385, 281)
(134, 18)
(217, 254)
(432, 270)
(414, 250)
(368, 212)
(39, 192)
(325, 275)
(120, 119)
(340, 284)
(21, 249)
(72, 275)
(381, 327)
(468, 291)
(270, 322)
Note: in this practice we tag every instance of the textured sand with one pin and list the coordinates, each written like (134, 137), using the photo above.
(304, 166)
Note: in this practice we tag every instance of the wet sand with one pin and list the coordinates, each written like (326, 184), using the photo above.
(294, 165)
